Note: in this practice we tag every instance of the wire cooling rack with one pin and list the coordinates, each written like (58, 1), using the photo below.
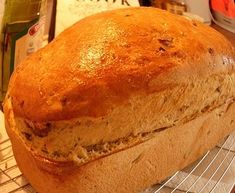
(214, 172)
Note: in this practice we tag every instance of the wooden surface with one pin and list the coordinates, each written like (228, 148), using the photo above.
(229, 35)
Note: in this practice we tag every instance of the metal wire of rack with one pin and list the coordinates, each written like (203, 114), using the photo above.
(204, 176)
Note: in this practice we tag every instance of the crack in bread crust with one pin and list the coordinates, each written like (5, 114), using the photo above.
(82, 155)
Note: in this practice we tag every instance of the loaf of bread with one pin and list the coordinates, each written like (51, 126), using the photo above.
(120, 101)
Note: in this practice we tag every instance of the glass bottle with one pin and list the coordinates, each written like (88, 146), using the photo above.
(21, 34)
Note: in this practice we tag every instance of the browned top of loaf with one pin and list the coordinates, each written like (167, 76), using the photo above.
(104, 59)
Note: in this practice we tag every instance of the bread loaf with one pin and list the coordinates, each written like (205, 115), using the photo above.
(135, 94)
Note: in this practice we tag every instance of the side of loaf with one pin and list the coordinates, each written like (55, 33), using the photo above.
(131, 170)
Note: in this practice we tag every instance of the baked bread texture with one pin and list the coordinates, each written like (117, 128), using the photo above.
(135, 93)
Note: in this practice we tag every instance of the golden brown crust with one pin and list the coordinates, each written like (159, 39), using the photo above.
(104, 59)
(131, 170)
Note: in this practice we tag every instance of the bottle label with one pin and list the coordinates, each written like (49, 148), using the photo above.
(28, 43)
